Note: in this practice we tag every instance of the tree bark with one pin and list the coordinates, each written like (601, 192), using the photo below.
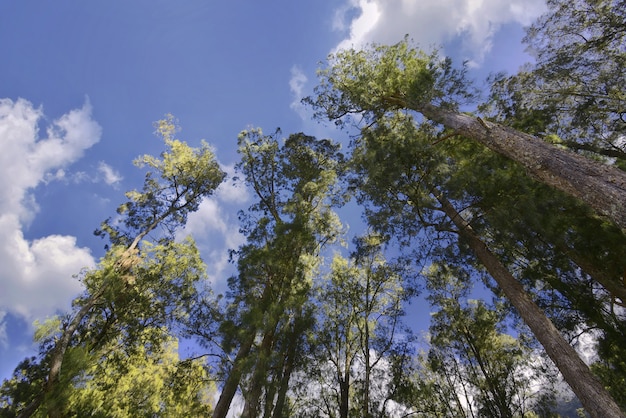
(253, 400)
(232, 382)
(288, 367)
(600, 186)
(593, 396)
(344, 395)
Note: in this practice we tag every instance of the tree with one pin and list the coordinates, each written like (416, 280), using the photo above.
(572, 95)
(149, 381)
(571, 260)
(575, 86)
(360, 309)
(402, 173)
(493, 368)
(139, 282)
(287, 227)
(382, 79)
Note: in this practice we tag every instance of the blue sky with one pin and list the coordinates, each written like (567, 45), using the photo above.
(82, 82)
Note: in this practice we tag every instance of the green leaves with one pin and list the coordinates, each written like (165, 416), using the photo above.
(174, 186)
(576, 86)
(44, 330)
(291, 221)
(468, 341)
(382, 79)
(142, 288)
(144, 384)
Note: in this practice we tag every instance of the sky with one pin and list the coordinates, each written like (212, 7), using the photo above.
(81, 84)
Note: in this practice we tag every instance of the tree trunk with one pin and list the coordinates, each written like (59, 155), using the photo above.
(344, 386)
(232, 382)
(253, 399)
(288, 367)
(594, 398)
(344, 394)
(600, 186)
(366, 354)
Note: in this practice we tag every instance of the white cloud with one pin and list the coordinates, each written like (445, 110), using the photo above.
(109, 175)
(232, 190)
(296, 85)
(433, 22)
(4, 338)
(215, 227)
(36, 276)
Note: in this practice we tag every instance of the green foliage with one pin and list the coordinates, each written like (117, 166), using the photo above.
(468, 341)
(576, 87)
(286, 323)
(383, 78)
(359, 313)
(174, 186)
(44, 330)
(19, 391)
(141, 286)
(288, 225)
(151, 381)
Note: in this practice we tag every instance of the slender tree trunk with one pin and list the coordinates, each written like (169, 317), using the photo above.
(497, 392)
(234, 377)
(288, 367)
(344, 393)
(594, 398)
(253, 398)
(600, 186)
(368, 368)
(344, 387)
(58, 355)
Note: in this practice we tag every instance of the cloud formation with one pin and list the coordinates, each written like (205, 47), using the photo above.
(36, 275)
(109, 174)
(215, 227)
(432, 22)
(297, 83)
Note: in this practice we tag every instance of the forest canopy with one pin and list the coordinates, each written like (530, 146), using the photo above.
(523, 198)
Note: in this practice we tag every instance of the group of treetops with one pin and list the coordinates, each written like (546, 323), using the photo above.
(526, 195)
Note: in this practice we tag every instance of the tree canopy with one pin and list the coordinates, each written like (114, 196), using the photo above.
(509, 221)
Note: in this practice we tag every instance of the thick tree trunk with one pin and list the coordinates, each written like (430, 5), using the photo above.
(600, 186)
(594, 398)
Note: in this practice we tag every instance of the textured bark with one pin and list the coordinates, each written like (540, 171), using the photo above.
(593, 396)
(600, 186)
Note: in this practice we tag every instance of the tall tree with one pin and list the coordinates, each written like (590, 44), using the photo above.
(287, 227)
(573, 96)
(381, 79)
(403, 174)
(572, 261)
(360, 306)
(575, 86)
(145, 382)
(495, 369)
(140, 282)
